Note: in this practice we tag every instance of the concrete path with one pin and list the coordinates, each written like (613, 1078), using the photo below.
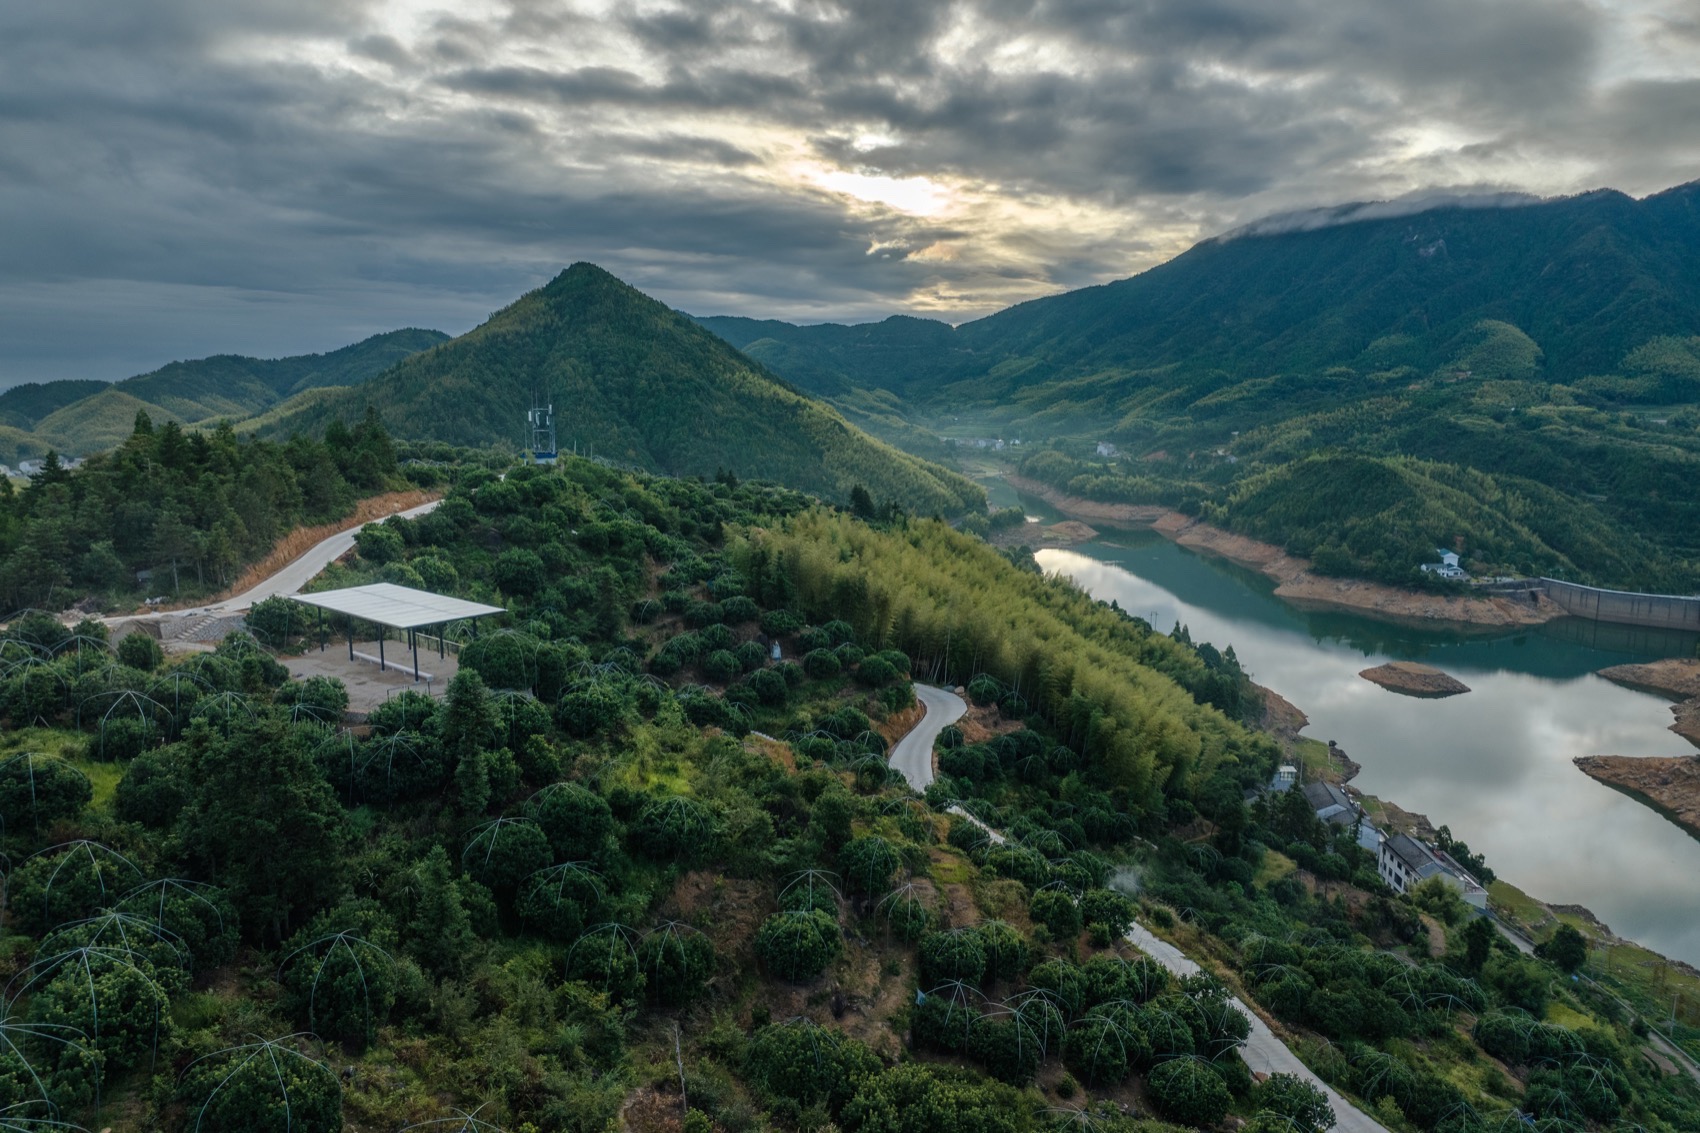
(299, 573)
(1263, 1052)
(913, 754)
(289, 580)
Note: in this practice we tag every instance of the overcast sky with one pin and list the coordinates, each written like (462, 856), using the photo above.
(185, 177)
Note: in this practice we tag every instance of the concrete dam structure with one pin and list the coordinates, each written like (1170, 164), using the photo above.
(1658, 611)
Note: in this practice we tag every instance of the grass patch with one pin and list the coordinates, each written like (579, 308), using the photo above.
(1566, 1016)
(952, 869)
(1313, 758)
(1274, 867)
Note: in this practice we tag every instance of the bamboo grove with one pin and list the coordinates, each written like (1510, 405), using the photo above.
(1120, 693)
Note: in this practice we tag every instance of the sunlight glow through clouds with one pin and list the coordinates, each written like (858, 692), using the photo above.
(915, 196)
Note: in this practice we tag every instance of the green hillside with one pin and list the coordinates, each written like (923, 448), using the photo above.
(1550, 348)
(628, 870)
(82, 417)
(22, 406)
(642, 385)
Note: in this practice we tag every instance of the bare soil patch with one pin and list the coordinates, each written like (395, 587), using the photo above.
(1413, 679)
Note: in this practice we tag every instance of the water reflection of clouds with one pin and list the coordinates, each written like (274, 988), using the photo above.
(1493, 764)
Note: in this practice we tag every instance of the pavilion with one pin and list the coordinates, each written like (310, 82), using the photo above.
(395, 607)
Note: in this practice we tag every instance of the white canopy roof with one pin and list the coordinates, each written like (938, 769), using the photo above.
(399, 607)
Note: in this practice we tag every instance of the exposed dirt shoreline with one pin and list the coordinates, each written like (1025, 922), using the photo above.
(1675, 677)
(1412, 679)
(1670, 786)
(1292, 575)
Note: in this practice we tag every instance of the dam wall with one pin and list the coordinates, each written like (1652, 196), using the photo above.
(1622, 607)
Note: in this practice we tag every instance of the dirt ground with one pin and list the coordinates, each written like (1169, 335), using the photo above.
(367, 686)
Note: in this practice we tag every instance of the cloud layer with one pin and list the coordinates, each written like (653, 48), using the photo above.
(180, 177)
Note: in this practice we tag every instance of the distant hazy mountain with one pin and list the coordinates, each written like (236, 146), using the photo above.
(1587, 279)
(639, 383)
(81, 417)
(1539, 362)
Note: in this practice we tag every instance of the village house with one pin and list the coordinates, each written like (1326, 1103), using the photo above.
(1405, 862)
(1447, 567)
(1335, 807)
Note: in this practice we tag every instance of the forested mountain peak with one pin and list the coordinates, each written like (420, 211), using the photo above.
(638, 383)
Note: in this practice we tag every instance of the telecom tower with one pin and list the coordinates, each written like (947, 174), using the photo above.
(541, 420)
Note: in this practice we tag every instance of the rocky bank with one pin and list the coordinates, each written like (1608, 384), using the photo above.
(1672, 786)
(1413, 679)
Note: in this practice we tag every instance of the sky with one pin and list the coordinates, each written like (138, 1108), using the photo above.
(181, 178)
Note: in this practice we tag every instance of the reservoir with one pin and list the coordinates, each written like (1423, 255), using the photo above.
(1493, 764)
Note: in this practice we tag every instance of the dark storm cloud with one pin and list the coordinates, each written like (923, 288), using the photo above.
(187, 176)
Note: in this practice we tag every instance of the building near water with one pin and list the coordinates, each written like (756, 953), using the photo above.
(1447, 567)
(1404, 862)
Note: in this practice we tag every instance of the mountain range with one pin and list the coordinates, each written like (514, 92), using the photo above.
(81, 417)
(1521, 381)
(1539, 362)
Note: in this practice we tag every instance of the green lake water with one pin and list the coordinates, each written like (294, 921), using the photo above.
(1493, 764)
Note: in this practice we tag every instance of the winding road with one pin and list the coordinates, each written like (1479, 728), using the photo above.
(289, 580)
(1263, 1052)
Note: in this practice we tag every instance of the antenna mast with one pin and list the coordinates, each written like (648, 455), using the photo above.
(541, 421)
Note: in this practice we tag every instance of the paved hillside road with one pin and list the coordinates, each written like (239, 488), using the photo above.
(290, 579)
(913, 754)
(297, 574)
(1263, 1052)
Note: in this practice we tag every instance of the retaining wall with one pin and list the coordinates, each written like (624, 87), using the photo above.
(1660, 611)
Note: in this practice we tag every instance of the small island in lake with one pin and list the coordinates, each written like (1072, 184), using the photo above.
(1671, 785)
(1413, 679)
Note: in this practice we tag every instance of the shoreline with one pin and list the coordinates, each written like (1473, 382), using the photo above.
(1294, 581)
(1668, 785)
(1674, 678)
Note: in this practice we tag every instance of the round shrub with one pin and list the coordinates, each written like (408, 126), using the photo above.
(504, 660)
(716, 637)
(1056, 910)
(849, 653)
(875, 671)
(520, 572)
(769, 686)
(1007, 1052)
(263, 1087)
(738, 609)
(1007, 954)
(40, 789)
(751, 656)
(1189, 1092)
(676, 965)
(820, 664)
(867, 863)
(898, 660)
(1097, 1051)
(984, 690)
(1107, 908)
(1291, 1097)
(780, 623)
(704, 614)
(838, 632)
(720, 666)
(797, 946)
(956, 955)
